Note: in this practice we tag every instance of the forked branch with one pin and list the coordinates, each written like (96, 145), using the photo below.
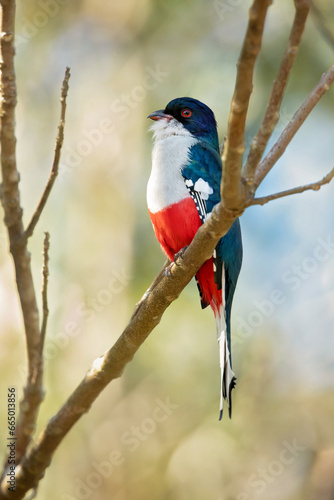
(235, 142)
(13, 220)
(293, 126)
(55, 165)
(271, 116)
(10, 198)
(314, 186)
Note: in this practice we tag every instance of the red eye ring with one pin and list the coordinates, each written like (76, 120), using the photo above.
(186, 113)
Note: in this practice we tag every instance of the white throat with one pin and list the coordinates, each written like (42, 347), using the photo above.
(170, 153)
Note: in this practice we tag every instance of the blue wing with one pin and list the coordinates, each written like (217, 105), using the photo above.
(204, 164)
(202, 175)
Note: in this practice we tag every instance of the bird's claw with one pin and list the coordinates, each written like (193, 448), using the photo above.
(168, 270)
(179, 254)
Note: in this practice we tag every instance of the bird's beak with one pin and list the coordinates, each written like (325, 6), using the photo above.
(160, 115)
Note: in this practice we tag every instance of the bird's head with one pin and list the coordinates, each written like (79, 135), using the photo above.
(186, 116)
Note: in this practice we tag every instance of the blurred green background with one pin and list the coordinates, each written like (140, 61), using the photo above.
(154, 433)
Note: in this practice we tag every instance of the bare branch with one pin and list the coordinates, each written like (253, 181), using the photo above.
(10, 177)
(271, 116)
(235, 142)
(45, 273)
(112, 363)
(315, 186)
(10, 198)
(55, 166)
(293, 126)
(34, 393)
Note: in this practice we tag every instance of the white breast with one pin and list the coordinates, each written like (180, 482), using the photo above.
(170, 152)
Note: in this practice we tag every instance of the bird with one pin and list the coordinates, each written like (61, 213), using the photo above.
(183, 188)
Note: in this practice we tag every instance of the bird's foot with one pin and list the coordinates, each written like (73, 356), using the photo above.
(179, 255)
(168, 270)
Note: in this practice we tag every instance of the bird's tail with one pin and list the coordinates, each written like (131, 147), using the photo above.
(227, 376)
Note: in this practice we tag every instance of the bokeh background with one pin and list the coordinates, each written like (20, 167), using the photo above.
(154, 433)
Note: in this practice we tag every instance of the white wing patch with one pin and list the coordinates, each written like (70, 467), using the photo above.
(199, 192)
(203, 188)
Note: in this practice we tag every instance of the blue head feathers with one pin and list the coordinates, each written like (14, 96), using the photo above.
(195, 116)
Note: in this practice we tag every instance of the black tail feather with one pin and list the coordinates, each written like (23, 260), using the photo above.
(229, 398)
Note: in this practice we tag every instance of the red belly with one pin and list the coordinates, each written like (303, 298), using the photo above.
(175, 227)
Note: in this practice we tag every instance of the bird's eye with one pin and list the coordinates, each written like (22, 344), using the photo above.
(186, 113)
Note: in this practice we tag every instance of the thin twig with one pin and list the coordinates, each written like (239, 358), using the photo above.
(37, 380)
(321, 24)
(45, 273)
(271, 116)
(55, 165)
(293, 126)
(33, 391)
(10, 198)
(315, 186)
(235, 142)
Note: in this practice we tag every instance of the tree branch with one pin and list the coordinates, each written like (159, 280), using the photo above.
(293, 126)
(55, 166)
(45, 273)
(10, 198)
(315, 186)
(271, 116)
(235, 142)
